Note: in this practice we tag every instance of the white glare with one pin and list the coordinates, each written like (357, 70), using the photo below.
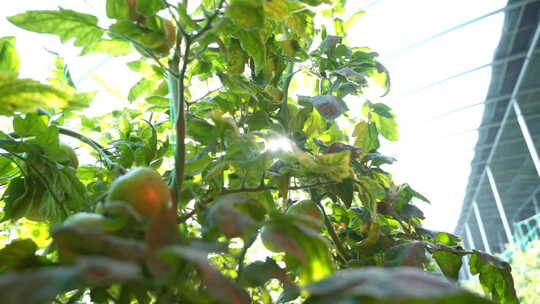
(279, 144)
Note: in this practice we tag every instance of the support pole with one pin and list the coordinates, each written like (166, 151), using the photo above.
(470, 244)
(535, 204)
(500, 207)
(469, 237)
(527, 136)
(481, 228)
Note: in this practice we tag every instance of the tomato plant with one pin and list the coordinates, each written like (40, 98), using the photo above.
(245, 109)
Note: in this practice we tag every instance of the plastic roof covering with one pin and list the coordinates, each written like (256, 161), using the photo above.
(512, 166)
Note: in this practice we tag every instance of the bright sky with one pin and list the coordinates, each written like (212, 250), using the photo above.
(434, 154)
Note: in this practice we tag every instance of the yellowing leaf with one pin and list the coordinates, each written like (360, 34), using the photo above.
(26, 95)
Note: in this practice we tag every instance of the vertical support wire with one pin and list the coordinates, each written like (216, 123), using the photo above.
(469, 237)
(527, 136)
(481, 228)
(499, 203)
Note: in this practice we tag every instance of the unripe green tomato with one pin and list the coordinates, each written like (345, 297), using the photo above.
(141, 187)
(85, 219)
(71, 155)
(282, 238)
(310, 210)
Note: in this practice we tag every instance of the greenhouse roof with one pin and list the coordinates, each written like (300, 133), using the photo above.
(501, 151)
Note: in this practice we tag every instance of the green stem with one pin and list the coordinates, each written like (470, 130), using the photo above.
(242, 257)
(333, 235)
(180, 124)
(284, 110)
(103, 153)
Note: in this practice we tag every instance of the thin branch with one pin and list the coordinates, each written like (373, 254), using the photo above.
(186, 216)
(169, 8)
(189, 103)
(102, 151)
(259, 189)
(210, 19)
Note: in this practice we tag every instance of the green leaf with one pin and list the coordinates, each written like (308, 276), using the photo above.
(259, 272)
(370, 190)
(19, 255)
(253, 43)
(334, 166)
(44, 285)
(449, 260)
(150, 7)
(30, 125)
(236, 57)
(199, 129)
(316, 2)
(66, 24)
(21, 195)
(259, 120)
(276, 8)
(382, 78)
(113, 47)
(248, 14)
(408, 193)
(236, 215)
(26, 95)
(384, 286)
(146, 70)
(78, 241)
(185, 18)
(306, 246)
(495, 277)
(220, 287)
(141, 89)
(74, 190)
(131, 32)
(9, 58)
(7, 168)
(339, 27)
(352, 21)
(407, 254)
(301, 23)
(344, 190)
(366, 136)
(118, 9)
(383, 118)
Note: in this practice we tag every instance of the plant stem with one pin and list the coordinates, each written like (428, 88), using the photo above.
(92, 143)
(242, 257)
(333, 235)
(178, 95)
(180, 124)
